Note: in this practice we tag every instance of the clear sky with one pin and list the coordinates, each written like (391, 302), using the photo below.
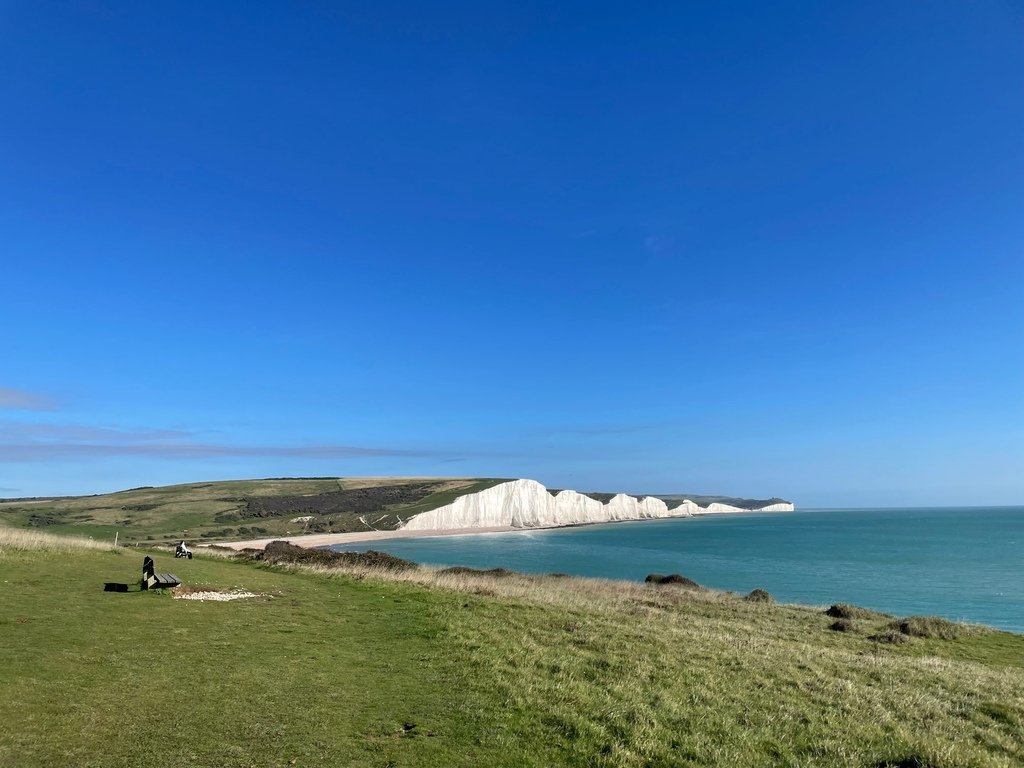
(745, 248)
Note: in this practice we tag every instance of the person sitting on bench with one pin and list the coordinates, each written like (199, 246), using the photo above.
(182, 551)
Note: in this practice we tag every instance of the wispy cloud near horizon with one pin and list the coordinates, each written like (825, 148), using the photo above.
(62, 442)
(11, 431)
(21, 400)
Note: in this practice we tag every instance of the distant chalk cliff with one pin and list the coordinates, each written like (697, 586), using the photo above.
(528, 504)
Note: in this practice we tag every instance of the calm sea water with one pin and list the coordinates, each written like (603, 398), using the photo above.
(962, 563)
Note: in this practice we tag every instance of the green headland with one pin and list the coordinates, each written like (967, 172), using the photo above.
(348, 661)
(241, 509)
(254, 509)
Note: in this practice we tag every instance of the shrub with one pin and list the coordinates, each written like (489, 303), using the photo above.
(911, 761)
(843, 625)
(928, 626)
(847, 611)
(277, 552)
(759, 596)
(675, 579)
(205, 535)
(462, 570)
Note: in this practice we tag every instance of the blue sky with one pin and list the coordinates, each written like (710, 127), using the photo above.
(747, 248)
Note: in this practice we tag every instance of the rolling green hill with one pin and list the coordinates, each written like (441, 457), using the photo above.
(239, 509)
(244, 509)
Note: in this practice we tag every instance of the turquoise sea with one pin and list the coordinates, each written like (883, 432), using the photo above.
(963, 563)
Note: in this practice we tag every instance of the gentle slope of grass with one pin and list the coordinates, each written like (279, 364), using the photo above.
(421, 668)
(240, 509)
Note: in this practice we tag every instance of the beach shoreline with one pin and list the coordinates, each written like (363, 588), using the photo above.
(359, 537)
(328, 539)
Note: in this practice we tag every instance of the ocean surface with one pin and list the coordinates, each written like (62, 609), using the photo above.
(962, 563)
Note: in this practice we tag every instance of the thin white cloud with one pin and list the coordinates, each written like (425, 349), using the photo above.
(70, 442)
(53, 451)
(20, 400)
(11, 432)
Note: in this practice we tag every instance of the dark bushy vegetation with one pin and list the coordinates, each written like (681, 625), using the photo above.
(676, 579)
(283, 552)
(224, 533)
(843, 625)
(911, 761)
(759, 596)
(358, 501)
(462, 570)
(847, 611)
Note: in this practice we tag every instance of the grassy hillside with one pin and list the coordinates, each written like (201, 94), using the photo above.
(425, 668)
(240, 509)
(244, 509)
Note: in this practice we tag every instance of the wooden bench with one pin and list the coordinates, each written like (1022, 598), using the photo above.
(153, 580)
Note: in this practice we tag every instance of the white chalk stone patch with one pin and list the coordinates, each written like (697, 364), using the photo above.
(237, 594)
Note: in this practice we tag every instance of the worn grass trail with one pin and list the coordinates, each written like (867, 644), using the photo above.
(419, 668)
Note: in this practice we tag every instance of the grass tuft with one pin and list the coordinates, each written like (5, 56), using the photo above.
(890, 637)
(929, 626)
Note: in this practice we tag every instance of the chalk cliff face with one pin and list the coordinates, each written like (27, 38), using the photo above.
(717, 507)
(527, 504)
(781, 507)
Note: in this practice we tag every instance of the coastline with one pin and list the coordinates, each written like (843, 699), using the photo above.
(327, 539)
(357, 537)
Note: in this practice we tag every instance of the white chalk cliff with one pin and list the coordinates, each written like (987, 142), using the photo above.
(528, 504)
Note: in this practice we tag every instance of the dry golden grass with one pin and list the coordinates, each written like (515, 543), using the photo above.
(572, 592)
(16, 540)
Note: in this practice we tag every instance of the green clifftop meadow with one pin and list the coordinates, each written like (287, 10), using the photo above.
(343, 661)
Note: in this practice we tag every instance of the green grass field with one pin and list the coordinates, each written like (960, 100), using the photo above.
(338, 668)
